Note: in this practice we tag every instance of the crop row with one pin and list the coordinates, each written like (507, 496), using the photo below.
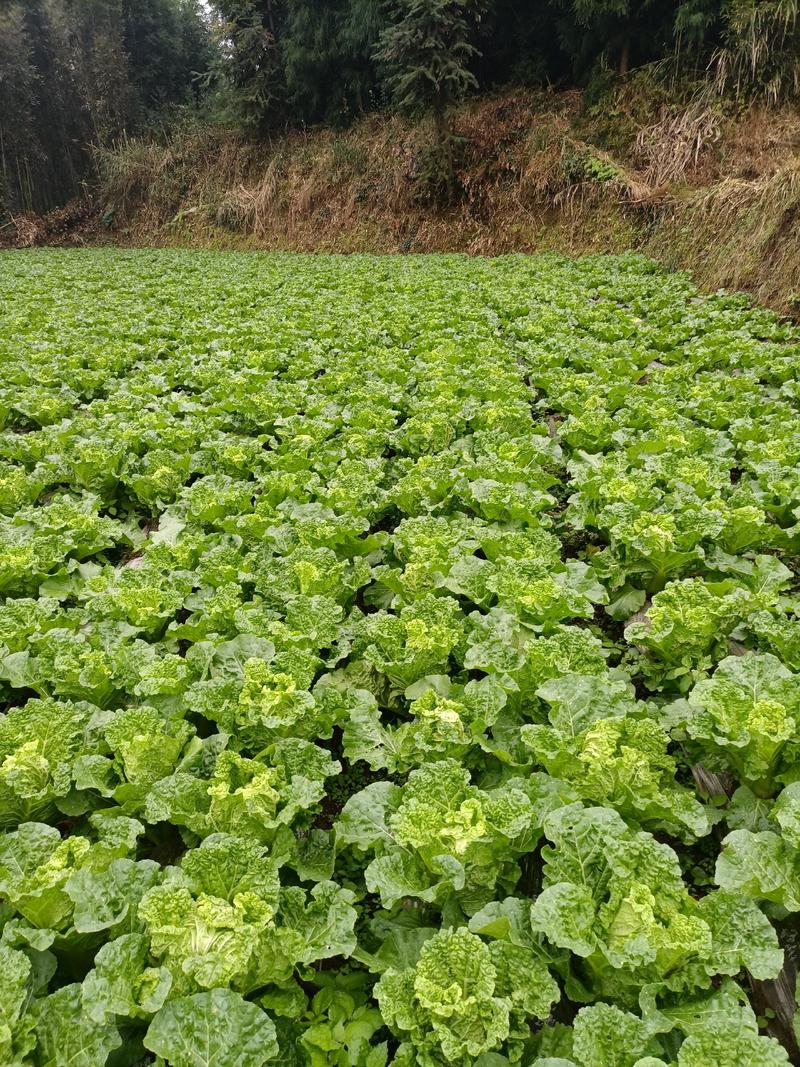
(400, 660)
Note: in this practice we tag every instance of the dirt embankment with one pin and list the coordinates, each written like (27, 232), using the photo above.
(697, 184)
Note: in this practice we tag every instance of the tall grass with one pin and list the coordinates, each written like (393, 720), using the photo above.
(761, 54)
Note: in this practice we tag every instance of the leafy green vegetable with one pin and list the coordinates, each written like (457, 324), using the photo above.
(218, 1027)
(750, 709)
(464, 998)
(383, 643)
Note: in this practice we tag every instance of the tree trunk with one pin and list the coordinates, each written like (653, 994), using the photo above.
(271, 21)
(625, 58)
(444, 138)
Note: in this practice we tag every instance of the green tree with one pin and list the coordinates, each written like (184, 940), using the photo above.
(697, 22)
(45, 144)
(90, 43)
(167, 44)
(760, 54)
(621, 33)
(251, 34)
(74, 73)
(426, 52)
(20, 149)
(327, 55)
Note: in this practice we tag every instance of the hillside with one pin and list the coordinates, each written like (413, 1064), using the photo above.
(696, 184)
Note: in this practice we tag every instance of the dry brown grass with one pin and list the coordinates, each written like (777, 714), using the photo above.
(670, 150)
(759, 142)
(249, 206)
(740, 234)
(697, 188)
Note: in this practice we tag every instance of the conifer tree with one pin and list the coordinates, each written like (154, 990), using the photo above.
(426, 53)
(254, 63)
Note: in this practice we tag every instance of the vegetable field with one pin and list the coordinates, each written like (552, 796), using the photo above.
(400, 661)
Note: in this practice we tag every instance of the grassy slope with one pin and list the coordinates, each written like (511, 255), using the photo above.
(694, 183)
